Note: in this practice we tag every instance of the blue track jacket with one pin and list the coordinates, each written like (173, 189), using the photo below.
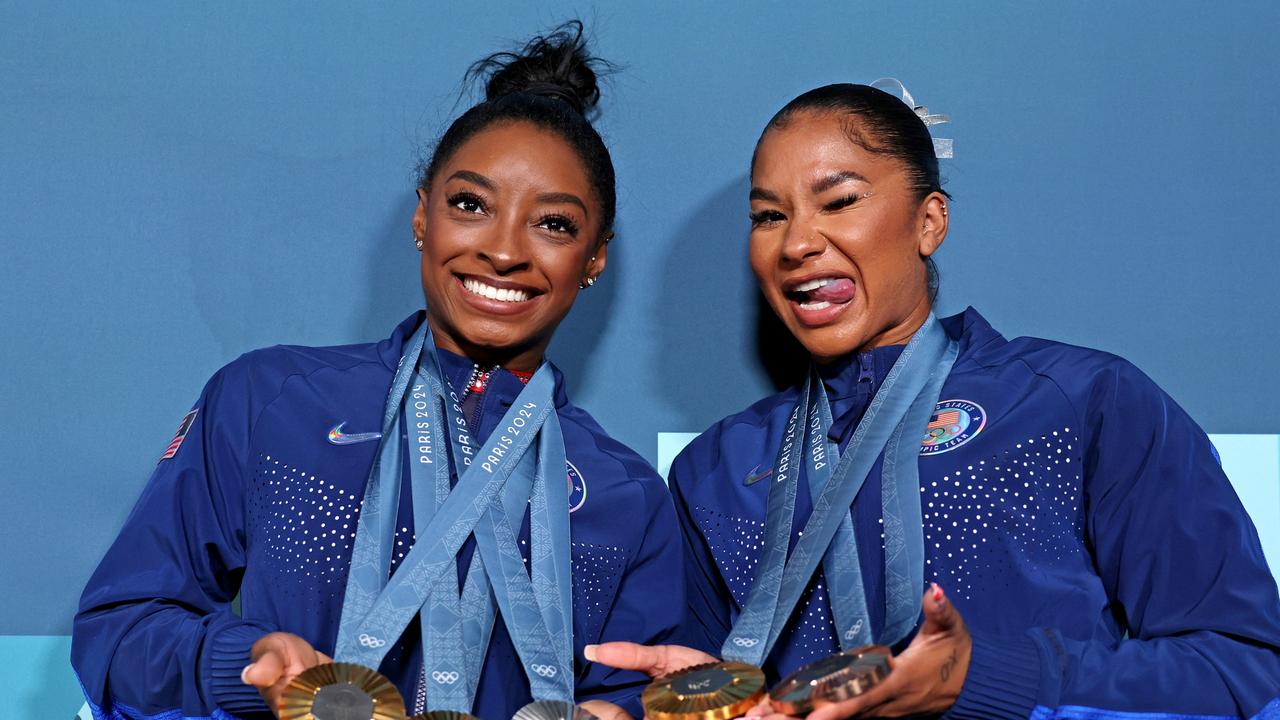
(258, 501)
(1075, 515)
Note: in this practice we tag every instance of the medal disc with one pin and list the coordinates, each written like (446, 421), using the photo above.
(714, 691)
(552, 710)
(831, 680)
(443, 715)
(340, 691)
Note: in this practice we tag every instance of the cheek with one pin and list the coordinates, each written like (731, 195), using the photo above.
(760, 256)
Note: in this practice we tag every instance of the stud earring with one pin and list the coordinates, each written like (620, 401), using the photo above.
(417, 241)
(586, 283)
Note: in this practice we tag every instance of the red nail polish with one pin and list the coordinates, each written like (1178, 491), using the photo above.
(937, 593)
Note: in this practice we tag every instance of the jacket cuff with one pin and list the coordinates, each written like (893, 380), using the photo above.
(1003, 680)
(229, 653)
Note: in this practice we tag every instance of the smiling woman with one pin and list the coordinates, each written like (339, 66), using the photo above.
(333, 489)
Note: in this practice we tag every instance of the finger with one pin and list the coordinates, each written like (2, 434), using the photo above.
(879, 694)
(604, 710)
(625, 656)
(323, 659)
(940, 616)
(265, 671)
(760, 710)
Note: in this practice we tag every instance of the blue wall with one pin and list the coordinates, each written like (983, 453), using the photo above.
(181, 184)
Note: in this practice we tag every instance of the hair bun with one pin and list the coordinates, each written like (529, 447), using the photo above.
(556, 65)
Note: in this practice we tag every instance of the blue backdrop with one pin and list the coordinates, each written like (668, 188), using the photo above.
(180, 184)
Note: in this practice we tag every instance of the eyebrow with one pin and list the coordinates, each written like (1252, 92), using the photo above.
(834, 179)
(563, 197)
(476, 178)
(765, 195)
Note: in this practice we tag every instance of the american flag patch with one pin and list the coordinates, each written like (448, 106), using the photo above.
(944, 419)
(181, 435)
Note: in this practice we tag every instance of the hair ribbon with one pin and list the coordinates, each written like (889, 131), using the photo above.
(942, 147)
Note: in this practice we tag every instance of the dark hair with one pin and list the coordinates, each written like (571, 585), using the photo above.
(552, 82)
(886, 126)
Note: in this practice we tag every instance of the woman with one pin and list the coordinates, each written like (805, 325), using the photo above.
(1085, 554)
(279, 487)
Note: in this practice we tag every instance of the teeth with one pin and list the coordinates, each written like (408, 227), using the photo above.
(488, 291)
(813, 284)
(820, 305)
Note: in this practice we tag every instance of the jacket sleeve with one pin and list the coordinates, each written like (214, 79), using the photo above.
(648, 606)
(709, 599)
(155, 633)
(1181, 562)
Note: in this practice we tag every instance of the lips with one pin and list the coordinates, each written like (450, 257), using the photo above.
(496, 296)
(819, 300)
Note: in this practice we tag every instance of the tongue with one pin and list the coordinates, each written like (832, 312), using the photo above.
(840, 291)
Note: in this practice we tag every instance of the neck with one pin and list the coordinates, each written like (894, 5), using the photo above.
(523, 358)
(900, 333)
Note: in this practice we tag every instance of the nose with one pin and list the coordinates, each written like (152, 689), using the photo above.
(801, 241)
(505, 247)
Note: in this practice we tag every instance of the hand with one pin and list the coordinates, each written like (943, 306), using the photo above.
(605, 710)
(277, 659)
(926, 677)
(653, 660)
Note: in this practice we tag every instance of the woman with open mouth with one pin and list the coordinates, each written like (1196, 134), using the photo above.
(1036, 529)
(431, 506)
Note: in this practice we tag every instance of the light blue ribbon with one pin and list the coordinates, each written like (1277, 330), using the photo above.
(892, 423)
(496, 481)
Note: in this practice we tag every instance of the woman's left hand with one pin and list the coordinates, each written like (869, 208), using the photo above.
(926, 677)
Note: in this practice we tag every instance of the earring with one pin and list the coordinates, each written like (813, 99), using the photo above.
(417, 241)
(586, 283)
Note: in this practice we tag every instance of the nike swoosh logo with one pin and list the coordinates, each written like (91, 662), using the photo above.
(337, 437)
(756, 476)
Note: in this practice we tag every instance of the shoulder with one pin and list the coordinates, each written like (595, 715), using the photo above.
(733, 448)
(262, 374)
(1085, 376)
(604, 464)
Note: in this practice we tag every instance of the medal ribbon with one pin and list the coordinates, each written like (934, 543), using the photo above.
(901, 407)
(494, 482)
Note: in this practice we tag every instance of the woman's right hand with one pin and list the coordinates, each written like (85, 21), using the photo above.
(654, 660)
(277, 659)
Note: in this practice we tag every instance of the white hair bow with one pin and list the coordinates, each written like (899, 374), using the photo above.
(942, 147)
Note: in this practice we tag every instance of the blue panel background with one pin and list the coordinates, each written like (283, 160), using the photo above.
(179, 184)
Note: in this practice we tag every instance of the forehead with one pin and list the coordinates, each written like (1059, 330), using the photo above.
(523, 154)
(810, 146)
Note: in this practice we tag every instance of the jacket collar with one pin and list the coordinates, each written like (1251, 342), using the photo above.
(457, 368)
(841, 377)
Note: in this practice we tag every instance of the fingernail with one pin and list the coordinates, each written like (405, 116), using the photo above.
(245, 672)
(589, 652)
(937, 593)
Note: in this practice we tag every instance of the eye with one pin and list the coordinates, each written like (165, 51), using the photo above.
(467, 202)
(766, 217)
(841, 203)
(559, 224)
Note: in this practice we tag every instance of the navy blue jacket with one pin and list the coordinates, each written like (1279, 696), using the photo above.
(1076, 516)
(258, 502)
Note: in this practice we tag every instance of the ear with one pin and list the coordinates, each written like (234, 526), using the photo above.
(420, 216)
(933, 223)
(599, 257)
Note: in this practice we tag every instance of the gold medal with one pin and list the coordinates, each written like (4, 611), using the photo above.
(831, 680)
(444, 715)
(340, 691)
(552, 710)
(714, 691)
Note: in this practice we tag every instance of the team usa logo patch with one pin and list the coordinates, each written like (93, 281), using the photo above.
(183, 428)
(577, 488)
(953, 423)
